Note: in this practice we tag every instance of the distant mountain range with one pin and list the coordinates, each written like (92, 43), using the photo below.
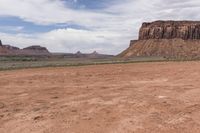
(82, 55)
(36, 50)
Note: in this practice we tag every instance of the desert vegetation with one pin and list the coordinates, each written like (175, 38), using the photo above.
(20, 62)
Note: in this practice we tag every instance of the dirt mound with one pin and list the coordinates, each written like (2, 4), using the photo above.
(171, 39)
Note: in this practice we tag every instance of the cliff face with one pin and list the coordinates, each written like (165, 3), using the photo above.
(170, 30)
(171, 39)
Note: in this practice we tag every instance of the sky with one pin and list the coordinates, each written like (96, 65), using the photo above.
(105, 26)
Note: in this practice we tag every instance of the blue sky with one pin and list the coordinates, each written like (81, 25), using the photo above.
(105, 26)
(31, 27)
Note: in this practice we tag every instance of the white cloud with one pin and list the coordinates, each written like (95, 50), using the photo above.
(111, 28)
(56, 40)
(46, 12)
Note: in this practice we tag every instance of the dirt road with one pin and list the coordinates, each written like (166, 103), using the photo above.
(127, 98)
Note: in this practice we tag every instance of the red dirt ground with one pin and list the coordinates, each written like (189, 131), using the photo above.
(126, 98)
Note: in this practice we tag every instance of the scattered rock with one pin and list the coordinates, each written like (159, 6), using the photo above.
(74, 110)
(38, 118)
(2, 105)
(55, 97)
(1, 116)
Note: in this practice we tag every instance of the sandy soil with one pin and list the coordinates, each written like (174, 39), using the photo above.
(127, 98)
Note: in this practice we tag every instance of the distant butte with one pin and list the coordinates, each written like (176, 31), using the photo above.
(8, 50)
(170, 39)
(37, 50)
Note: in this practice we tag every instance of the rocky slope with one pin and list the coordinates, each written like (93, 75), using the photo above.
(171, 39)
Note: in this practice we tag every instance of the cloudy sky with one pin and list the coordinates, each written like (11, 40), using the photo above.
(86, 25)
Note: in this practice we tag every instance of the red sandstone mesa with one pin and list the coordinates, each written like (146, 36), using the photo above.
(172, 39)
(170, 30)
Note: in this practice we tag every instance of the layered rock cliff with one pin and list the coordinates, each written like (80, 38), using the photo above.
(170, 30)
(170, 39)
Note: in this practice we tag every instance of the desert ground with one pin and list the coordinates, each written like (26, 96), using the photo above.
(162, 97)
